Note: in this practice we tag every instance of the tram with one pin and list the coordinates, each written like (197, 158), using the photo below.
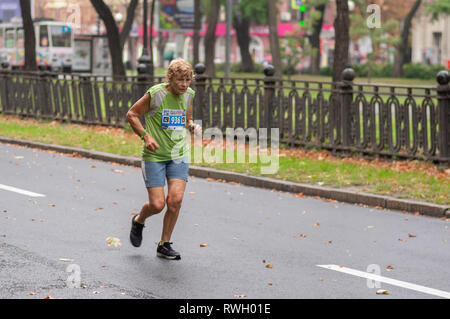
(54, 45)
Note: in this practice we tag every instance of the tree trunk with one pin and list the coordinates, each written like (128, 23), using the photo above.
(315, 41)
(152, 14)
(242, 27)
(112, 33)
(273, 37)
(131, 9)
(210, 38)
(197, 26)
(341, 39)
(162, 40)
(29, 36)
(402, 47)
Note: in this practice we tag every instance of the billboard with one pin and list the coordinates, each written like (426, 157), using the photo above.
(175, 15)
(9, 9)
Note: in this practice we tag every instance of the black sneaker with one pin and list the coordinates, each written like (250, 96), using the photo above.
(136, 232)
(166, 251)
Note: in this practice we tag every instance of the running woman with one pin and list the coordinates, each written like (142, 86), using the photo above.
(167, 108)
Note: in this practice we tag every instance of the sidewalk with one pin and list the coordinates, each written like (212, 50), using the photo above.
(327, 193)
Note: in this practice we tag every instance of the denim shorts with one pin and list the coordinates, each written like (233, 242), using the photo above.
(156, 173)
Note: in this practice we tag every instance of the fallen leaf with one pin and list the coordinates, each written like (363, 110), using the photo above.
(113, 241)
(411, 236)
(209, 179)
(203, 245)
(49, 297)
(270, 284)
(298, 195)
(118, 171)
(269, 266)
(402, 240)
(65, 259)
(316, 224)
(52, 205)
(32, 293)
(302, 235)
(389, 268)
(320, 278)
(382, 292)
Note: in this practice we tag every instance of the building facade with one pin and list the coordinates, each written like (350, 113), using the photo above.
(431, 40)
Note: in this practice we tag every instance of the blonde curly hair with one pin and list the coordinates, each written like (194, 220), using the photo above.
(179, 67)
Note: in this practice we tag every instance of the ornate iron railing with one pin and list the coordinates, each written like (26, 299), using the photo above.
(347, 118)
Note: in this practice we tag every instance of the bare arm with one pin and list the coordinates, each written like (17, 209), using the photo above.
(193, 128)
(139, 108)
(189, 120)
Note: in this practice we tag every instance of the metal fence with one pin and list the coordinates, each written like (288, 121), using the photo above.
(347, 118)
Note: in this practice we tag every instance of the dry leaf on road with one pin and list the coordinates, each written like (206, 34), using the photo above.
(65, 259)
(113, 241)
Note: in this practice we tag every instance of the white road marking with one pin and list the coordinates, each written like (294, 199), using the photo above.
(20, 191)
(390, 281)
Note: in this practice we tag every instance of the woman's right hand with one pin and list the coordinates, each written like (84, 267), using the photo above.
(150, 143)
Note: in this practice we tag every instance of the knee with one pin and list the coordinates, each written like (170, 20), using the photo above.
(157, 205)
(174, 201)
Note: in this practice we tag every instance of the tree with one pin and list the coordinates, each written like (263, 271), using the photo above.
(438, 7)
(210, 37)
(341, 39)
(115, 40)
(318, 15)
(377, 36)
(131, 9)
(402, 47)
(29, 34)
(313, 28)
(246, 12)
(273, 36)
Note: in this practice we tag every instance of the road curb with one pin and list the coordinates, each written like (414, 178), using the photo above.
(347, 196)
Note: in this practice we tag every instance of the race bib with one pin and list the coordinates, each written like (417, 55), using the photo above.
(173, 119)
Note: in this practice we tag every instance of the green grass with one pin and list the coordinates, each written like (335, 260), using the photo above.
(421, 181)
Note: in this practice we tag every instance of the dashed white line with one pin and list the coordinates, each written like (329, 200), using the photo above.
(403, 284)
(20, 191)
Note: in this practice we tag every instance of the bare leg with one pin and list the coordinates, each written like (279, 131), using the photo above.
(154, 206)
(174, 199)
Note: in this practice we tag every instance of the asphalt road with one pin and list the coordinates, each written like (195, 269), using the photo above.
(259, 243)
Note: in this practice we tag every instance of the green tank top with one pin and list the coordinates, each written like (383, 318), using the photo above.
(165, 122)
